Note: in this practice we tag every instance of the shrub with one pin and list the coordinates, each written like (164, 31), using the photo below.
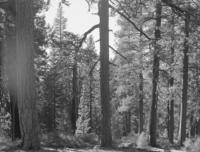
(128, 141)
(61, 139)
(90, 138)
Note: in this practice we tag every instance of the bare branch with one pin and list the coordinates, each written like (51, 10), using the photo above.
(113, 64)
(86, 34)
(118, 52)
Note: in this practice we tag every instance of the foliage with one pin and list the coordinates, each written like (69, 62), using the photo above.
(192, 145)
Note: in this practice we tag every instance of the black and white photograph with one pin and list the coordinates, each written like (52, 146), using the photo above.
(99, 75)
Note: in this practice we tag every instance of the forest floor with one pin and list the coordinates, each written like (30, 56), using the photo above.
(45, 149)
(9, 146)
(12, 147)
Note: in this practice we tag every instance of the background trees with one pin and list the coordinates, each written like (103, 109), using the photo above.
(151, 84)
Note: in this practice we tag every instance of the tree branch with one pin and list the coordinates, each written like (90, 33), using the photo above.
(130, 21)
(86, 34)
(118, 52)
(113, 64)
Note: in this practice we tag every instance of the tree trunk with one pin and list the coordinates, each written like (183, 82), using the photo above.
(74, 111)
(54, 100)
(141, 92)
(156, 62)
(26, 93)
(182, 130)
(171, 84)
(106, 138)
(192, 126)
(141, 83)
(126, 123)
(90, 102)
(10, 52)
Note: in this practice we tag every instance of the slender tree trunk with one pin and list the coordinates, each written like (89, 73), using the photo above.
(141, 92)
(141, 84)
(171, 84)
(156, 62)
(54, 100)
(26, 93)
(90, 102)
(192, 126)
(182, 130)
(106, 138)
(126, 123)
(74, 112)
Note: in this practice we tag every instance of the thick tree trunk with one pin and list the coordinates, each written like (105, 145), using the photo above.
(156, 62)
(15, 126)
(10, 52)
(106, 138)
(25, 75)
(171, 84)
(182, 130)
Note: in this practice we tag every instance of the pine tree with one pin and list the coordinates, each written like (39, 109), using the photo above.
(156, 62)
(183, 114)
(25, 75)
(106, 137)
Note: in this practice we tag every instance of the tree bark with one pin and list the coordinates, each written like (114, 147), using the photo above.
(171, 84)
(156, 63)
(106, 138)
(10, 52)
(141, 92)
(182, 130)
(26, 93)
(141, 83)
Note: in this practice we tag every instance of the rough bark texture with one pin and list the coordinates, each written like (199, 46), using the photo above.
(10, 52)
(171, 84)
(156, 62)
(182, 130)
(26, 93)
(106, 138)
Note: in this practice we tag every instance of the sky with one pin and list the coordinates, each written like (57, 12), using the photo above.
(79, 19)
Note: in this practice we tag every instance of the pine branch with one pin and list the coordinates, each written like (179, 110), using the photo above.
(130, 21)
